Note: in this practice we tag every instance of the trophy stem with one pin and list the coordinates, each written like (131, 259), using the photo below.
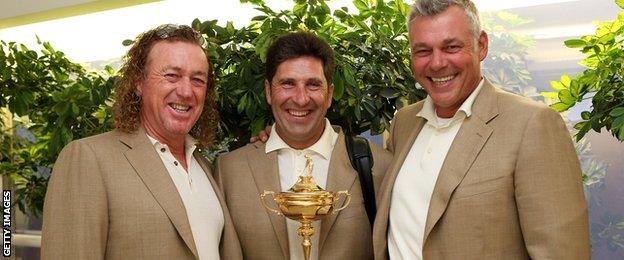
(306, 231)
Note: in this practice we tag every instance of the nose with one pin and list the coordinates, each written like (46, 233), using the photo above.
(301, 96)
(438, 61)
(185, 88)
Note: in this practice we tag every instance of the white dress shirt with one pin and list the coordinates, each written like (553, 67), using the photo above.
(417, 177)
(203, 209)
(291, 164)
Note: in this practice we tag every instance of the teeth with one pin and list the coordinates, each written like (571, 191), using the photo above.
(180, 107)
(442, 80)
(297, 113)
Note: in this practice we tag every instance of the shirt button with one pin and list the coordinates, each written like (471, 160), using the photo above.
(163, 150)
(428, 150)
(175, 162)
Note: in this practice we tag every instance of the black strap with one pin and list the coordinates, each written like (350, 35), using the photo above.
(362, 161)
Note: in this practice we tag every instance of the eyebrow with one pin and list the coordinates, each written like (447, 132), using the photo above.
(314, 80)
(285, 80)
(451, 40)
(178, 69)
(445, 42)
(307, 81)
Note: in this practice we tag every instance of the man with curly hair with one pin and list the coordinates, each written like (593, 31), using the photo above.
(143, 191)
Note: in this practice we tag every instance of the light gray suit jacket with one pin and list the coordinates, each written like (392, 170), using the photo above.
(246, 172)
(509, 188)
(110, 196)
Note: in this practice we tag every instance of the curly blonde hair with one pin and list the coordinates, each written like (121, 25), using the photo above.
(127, 106)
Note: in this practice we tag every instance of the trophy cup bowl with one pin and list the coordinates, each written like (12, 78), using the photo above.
(306, 202)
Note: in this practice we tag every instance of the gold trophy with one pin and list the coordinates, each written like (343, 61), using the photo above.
(306, 202)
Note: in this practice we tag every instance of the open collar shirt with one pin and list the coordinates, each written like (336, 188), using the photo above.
(203, 209)
(417, 177)
(291, 164)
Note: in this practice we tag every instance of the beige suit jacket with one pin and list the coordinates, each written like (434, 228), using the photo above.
(110, 197)
(509, 188)
(246, 172)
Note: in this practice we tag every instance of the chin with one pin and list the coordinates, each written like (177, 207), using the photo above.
(180, 130)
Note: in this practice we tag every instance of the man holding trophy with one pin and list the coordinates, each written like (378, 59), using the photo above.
(299, 89)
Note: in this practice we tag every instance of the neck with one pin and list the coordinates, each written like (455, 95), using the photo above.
(300, 144)
(175, 143)
(446, 113)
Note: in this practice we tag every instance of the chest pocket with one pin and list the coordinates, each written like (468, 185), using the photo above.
(485, 186)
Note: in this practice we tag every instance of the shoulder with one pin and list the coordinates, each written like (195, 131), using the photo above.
(379, 152)
(238, 154)
(99, 141)
(519, 107)
(381, 157)
(411, 109)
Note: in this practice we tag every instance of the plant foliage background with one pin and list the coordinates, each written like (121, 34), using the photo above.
(602, 81)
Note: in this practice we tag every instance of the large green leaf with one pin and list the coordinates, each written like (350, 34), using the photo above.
(575, 43)
(616, 112)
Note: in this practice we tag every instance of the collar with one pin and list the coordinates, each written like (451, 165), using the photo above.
(323, 146)
(190, 144)
(464, 111)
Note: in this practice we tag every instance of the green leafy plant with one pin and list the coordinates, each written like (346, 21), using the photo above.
(602, 81)
(372, 78)
(47, 101)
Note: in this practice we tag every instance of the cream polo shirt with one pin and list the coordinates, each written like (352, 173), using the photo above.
(417, 177)
(291, 163)
(203, 209)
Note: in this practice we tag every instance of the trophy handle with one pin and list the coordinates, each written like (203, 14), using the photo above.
(347, 200)
(266, 206)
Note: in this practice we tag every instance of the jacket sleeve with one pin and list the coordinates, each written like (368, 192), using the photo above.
(75, 213)
(549, 191)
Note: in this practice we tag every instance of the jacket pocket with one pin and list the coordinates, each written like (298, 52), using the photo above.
(473, 189)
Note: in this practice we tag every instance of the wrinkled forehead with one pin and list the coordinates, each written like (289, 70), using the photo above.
(177, 54)
(445, 26)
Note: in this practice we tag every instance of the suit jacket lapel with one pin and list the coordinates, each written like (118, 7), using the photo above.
(411, 128)
(264, 168)
(340, 176)
(469, 141)
(154, 175)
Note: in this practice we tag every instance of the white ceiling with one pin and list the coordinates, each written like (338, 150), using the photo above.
(13, 8)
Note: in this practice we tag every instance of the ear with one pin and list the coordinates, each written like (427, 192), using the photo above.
(267, 91)
(483, 42)
(330, 95)
(139, 88)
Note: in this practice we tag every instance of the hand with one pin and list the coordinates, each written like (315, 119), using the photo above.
(262, 135)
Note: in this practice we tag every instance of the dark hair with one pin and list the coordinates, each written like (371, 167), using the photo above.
(127, 106)
(298, 44)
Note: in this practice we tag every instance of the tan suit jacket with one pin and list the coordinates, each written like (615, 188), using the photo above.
(110, 196)
(246, 172)
(509, 188)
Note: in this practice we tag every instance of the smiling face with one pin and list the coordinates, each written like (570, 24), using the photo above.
(446, 58)
(173, 91)
(299, 96)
